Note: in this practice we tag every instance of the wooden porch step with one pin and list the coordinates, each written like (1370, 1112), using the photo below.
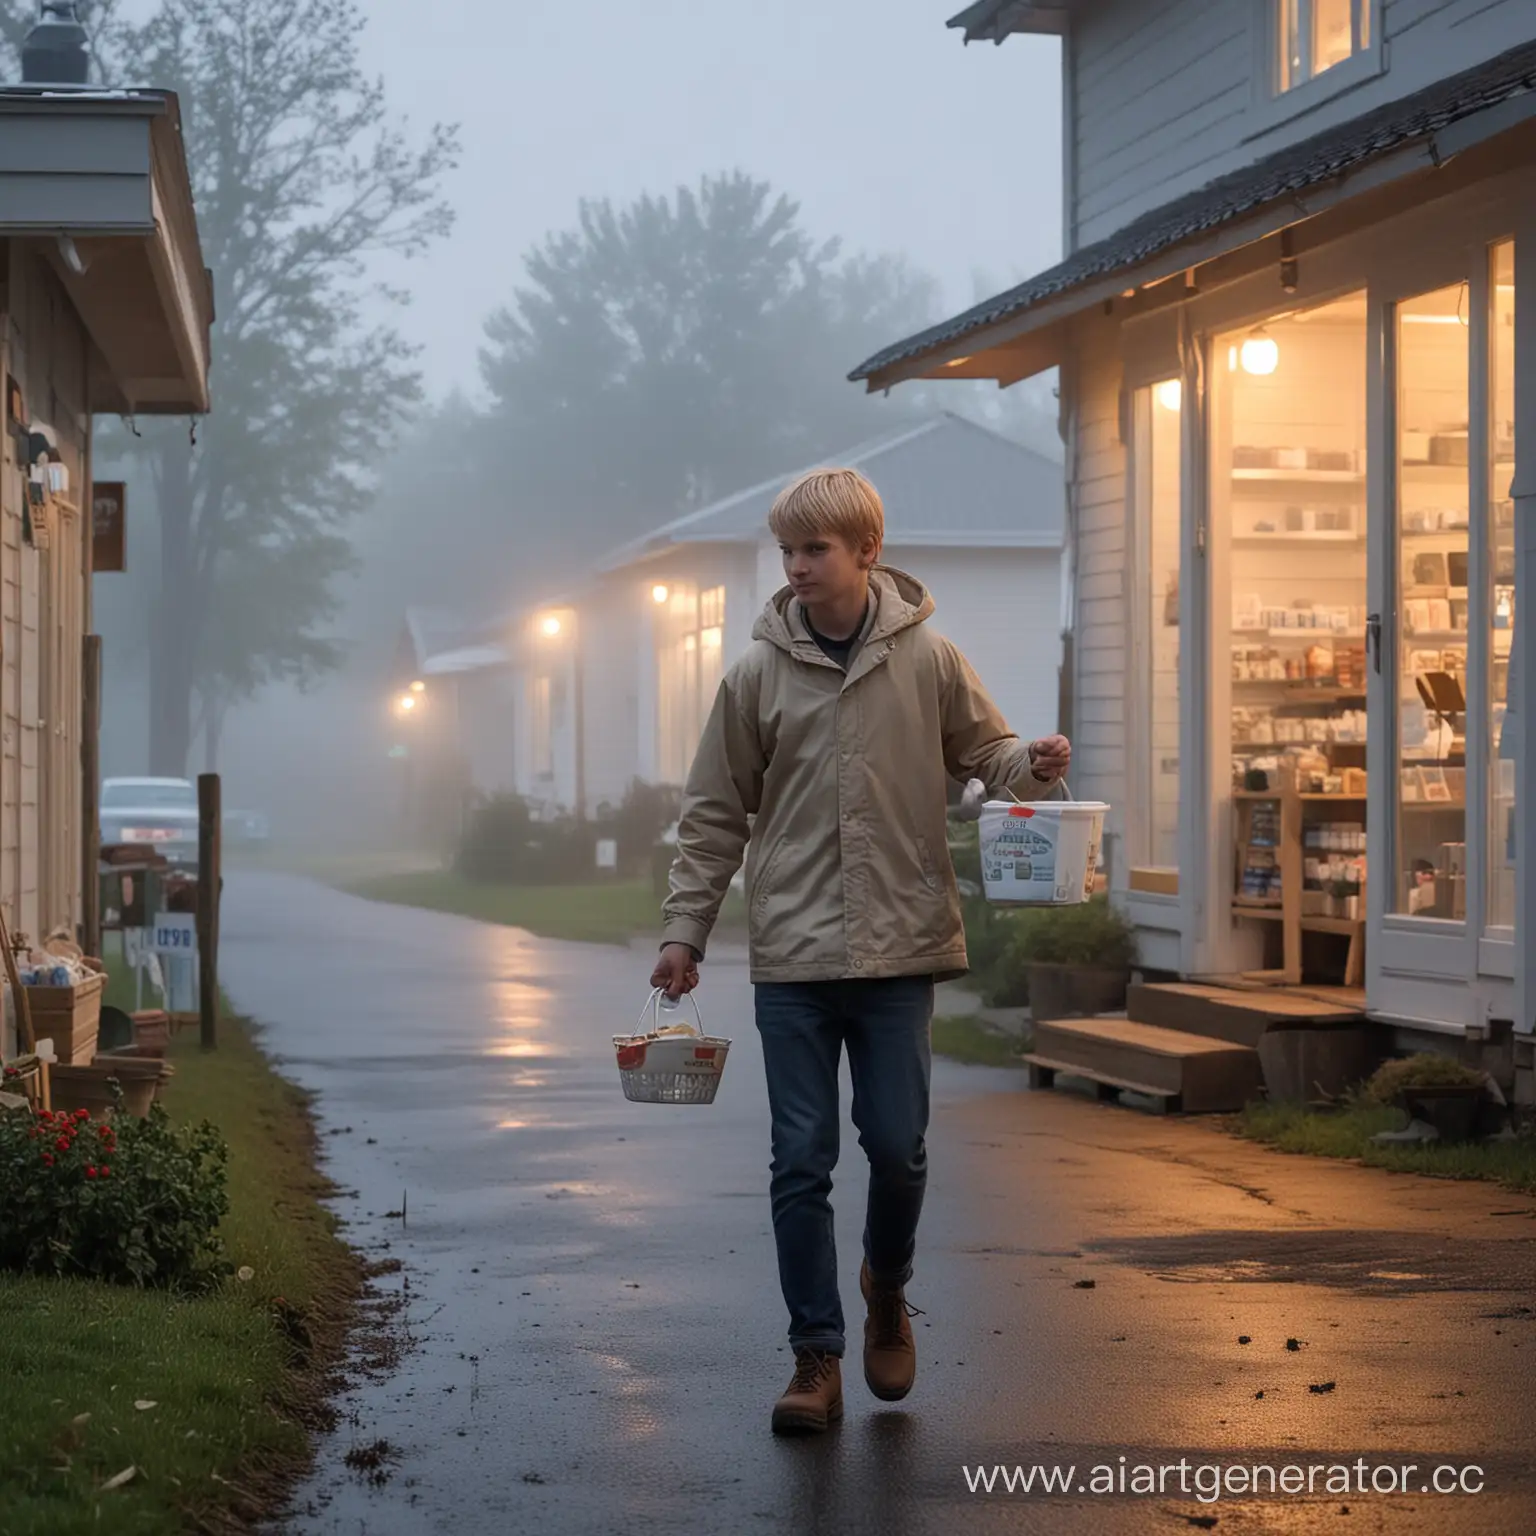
(1188, 1072)
(1240, 1017)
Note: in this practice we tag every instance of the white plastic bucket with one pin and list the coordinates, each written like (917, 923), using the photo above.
(1043, 854)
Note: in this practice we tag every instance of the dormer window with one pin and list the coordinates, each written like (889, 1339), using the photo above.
(1314, 36)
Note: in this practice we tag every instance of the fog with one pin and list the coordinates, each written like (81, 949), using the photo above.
(890, 135)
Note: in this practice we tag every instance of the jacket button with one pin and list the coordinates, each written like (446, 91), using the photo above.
(858, 965)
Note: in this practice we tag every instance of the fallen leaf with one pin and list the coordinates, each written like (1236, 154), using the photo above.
(1293, 1345)
(126, 1476)
(1321, 1386)
(1084, 1285)
(144, 1403)
(1244, 1338)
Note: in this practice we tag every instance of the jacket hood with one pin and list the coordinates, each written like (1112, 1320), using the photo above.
(900, 601)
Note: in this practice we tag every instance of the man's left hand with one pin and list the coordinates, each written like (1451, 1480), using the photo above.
(1050, 757)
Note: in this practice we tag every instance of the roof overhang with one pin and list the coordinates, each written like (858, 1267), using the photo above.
(99, 180)
(1423, 147)
(472, 658)
(995, 20)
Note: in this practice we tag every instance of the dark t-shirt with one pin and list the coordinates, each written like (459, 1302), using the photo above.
(840, 651)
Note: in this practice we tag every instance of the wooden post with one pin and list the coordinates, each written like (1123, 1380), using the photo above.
(90, 797)
(210, 886)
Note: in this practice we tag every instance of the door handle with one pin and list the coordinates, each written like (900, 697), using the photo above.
(1373, 639)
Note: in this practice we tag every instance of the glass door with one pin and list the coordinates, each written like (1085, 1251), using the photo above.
(1443, 586)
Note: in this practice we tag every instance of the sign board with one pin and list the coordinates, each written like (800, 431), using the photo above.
(109, 526)
(175, 933)
(607, 853)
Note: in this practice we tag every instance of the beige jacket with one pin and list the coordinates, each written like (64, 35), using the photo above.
(841, 783)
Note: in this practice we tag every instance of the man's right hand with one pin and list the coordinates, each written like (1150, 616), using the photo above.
(677, 970)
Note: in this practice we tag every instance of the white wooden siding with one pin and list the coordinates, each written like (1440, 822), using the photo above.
(1101, 655)
(1165, 99)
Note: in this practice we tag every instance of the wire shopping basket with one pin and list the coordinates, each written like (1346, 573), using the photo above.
(670, 1063)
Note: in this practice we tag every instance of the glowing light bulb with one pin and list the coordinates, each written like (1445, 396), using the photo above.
(1260, 354)
(1170, 394)
(659, 593)
(418, 687)
(408, 702)
(551, 626)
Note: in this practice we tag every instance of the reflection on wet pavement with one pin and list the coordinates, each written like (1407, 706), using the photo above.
(591, 1306)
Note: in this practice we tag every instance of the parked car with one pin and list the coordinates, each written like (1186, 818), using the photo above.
(160, 813)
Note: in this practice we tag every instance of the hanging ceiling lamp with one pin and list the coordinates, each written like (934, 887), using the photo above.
(1260, 353)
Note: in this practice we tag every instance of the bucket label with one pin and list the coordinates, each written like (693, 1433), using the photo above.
(1013, 852)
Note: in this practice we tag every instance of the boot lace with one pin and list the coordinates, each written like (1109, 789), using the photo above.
(811, 1367)
(887, 1310)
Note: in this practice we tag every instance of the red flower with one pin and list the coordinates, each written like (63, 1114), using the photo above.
(47, 1114)
(82, 1114)
(103, 1130)
(90, 1172)
(48, 1158)
(62, 1143)
(103, 1171)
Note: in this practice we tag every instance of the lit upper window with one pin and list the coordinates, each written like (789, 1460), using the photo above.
(1314, 36)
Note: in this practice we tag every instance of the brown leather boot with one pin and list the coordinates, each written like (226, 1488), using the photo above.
(814, 1397)
(890, 1353)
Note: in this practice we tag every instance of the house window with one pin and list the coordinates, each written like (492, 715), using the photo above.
(1314, 36)
(690, 661)
(543, 733)
(1504, 730)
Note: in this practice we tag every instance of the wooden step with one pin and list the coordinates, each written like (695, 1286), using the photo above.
(1184, 1071)
(1220, 1013)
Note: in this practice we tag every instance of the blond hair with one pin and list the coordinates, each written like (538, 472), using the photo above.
(828, 501)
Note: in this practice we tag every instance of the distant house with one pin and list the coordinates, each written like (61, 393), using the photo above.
(106, 306)
(1300, 402)
(613, 681)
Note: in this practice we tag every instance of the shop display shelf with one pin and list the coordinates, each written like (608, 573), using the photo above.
(1300, 476)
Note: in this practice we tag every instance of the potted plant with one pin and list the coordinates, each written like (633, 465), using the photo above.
(1078, 959)
(1436, 1089)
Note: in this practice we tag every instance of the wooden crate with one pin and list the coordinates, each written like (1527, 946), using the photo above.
(70, 1017)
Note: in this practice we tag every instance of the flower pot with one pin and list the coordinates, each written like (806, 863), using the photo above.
(1454, 1109)
(152, 1032)
(89, 1088)
(1076, 991)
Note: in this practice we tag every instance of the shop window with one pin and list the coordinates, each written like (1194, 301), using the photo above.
(1433, 547)
(1312, 37)
(1156, 509)
(1501, 576)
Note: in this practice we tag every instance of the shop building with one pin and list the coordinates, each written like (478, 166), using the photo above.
(1299, 404)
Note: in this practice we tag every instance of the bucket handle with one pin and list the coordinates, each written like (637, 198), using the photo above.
(1067, 795)
(653, 1007)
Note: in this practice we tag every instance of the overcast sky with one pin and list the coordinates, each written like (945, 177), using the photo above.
(889, 131)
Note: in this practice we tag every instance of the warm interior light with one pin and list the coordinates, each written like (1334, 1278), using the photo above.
(408, 702)
(1232, 359)
(1260, 353)
(659, 593)
(551, 625)
(418, 687)
(1170, 394)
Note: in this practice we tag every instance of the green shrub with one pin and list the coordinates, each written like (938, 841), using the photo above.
(646, 811)
(503, 845)
(135, 1202)
(1425, 1070)
(1091, 933)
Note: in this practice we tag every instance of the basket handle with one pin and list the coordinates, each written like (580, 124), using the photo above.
(653, 1007)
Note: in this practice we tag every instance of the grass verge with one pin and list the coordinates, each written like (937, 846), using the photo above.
(972, 1042)
(237, 1379)
(610, 913)
(1347, 1134)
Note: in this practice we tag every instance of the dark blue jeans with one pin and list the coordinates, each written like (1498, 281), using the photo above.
(886, 1026)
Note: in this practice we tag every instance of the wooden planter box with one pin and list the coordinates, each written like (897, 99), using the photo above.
(88, 1088)
(70, 1017)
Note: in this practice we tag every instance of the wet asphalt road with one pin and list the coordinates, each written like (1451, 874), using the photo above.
(596, 1332)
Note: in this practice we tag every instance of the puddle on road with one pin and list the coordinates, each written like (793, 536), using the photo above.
(1347, 1260)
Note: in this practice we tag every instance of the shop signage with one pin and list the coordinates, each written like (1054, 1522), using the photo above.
(175, 933)
(109, 526)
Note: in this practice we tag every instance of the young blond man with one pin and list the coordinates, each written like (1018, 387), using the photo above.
(827, 760)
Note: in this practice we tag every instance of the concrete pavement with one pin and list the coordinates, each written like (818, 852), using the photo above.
(590, 1298)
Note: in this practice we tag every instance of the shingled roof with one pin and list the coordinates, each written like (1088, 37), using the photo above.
(1323, 158)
